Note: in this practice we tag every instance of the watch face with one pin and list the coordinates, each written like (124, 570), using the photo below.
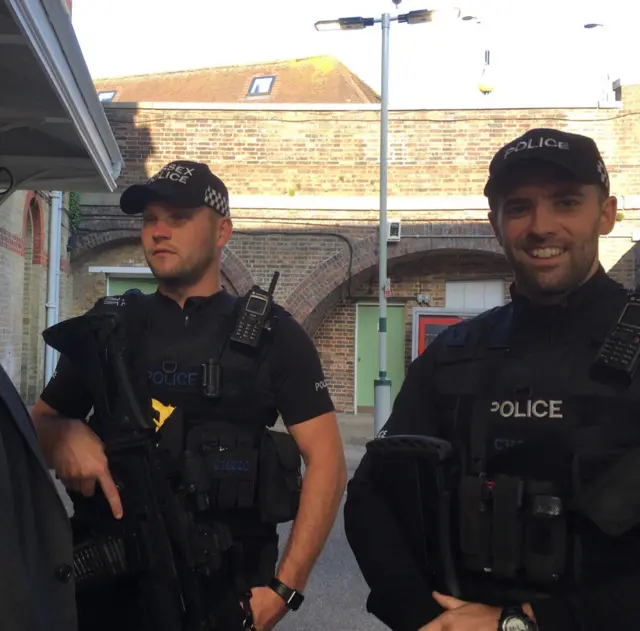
(513, 623)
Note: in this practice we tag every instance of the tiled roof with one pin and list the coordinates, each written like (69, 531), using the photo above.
(321, 79)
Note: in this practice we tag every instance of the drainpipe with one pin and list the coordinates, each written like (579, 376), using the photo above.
(53, 279)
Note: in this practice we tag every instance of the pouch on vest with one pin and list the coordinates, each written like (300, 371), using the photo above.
(545, 534)
(220, 466)
(506, 534)
(475, 497)
(474, 523)
(280, 477)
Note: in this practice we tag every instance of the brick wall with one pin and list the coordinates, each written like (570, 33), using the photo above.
(336, 152)
(11, 282)
(335, 341)
(24, 239)
(294, 253)
(328, 154)
(335, 338)
(90, 286)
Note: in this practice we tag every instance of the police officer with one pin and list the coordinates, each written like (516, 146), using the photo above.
(185, 225)
(538, 538)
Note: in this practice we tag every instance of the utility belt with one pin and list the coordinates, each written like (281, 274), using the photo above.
(511, 528)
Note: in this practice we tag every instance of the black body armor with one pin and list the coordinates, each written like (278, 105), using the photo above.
(192, 487)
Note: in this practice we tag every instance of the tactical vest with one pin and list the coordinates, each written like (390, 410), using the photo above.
(529, 435)
(228, 462)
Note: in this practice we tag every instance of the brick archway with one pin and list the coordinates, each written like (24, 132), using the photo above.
(236, 271)
(87, 245)
(33, 227)
(33, 309)
(321, 290)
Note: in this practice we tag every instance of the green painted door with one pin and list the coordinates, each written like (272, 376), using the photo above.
(146, 284)
(367, 353)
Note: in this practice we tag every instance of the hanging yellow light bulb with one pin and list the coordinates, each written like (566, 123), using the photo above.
(487, 82)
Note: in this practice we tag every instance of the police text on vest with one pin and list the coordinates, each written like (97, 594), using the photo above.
(528, 409)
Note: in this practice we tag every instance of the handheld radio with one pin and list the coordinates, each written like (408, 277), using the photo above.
(255, 314)
(619, 355)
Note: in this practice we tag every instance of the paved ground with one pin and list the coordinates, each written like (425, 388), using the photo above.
(336, 591)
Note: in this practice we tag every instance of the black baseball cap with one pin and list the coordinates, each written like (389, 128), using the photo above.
(579, 155)
(182, 183)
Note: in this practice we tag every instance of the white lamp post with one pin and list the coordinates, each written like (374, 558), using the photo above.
(382, 385)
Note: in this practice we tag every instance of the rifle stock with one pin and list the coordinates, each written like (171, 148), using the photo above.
(430, 459)
(139, 545)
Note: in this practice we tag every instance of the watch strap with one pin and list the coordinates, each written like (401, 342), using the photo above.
(292, 597)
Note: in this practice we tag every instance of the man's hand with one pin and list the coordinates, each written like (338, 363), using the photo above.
(80, 461)
(267, 607)
(463, 616)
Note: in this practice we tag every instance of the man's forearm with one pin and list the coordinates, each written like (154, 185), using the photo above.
(322, 490)
(48, 426)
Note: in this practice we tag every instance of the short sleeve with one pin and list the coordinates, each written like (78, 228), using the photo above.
(66, 391)
(301, 388)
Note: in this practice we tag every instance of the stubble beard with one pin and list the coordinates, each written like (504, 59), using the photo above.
(533, 283)
(184, 273)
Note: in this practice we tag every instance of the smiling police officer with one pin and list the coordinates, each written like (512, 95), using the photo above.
(527, 418)
(216, 383)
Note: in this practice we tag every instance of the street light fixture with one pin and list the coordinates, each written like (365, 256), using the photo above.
(486, 82)
(382, 385)
(345, 24)
(426, 15)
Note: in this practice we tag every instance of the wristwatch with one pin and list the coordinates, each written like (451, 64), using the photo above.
(292, 597)
(515, 619)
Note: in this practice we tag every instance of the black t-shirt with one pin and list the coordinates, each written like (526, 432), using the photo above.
(289, 380)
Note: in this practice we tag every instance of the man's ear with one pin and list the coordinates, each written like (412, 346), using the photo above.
(225, 228)
(493, 220)
(609, 215)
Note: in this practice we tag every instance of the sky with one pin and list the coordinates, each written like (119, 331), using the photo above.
(540, 53)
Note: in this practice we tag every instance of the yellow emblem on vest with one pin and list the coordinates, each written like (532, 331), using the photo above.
(164, 412)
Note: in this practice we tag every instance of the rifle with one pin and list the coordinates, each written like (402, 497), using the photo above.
(157, 540)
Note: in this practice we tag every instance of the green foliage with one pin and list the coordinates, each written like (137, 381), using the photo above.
(74, 211)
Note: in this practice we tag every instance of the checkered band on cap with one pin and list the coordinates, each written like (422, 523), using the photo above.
(217, 201)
